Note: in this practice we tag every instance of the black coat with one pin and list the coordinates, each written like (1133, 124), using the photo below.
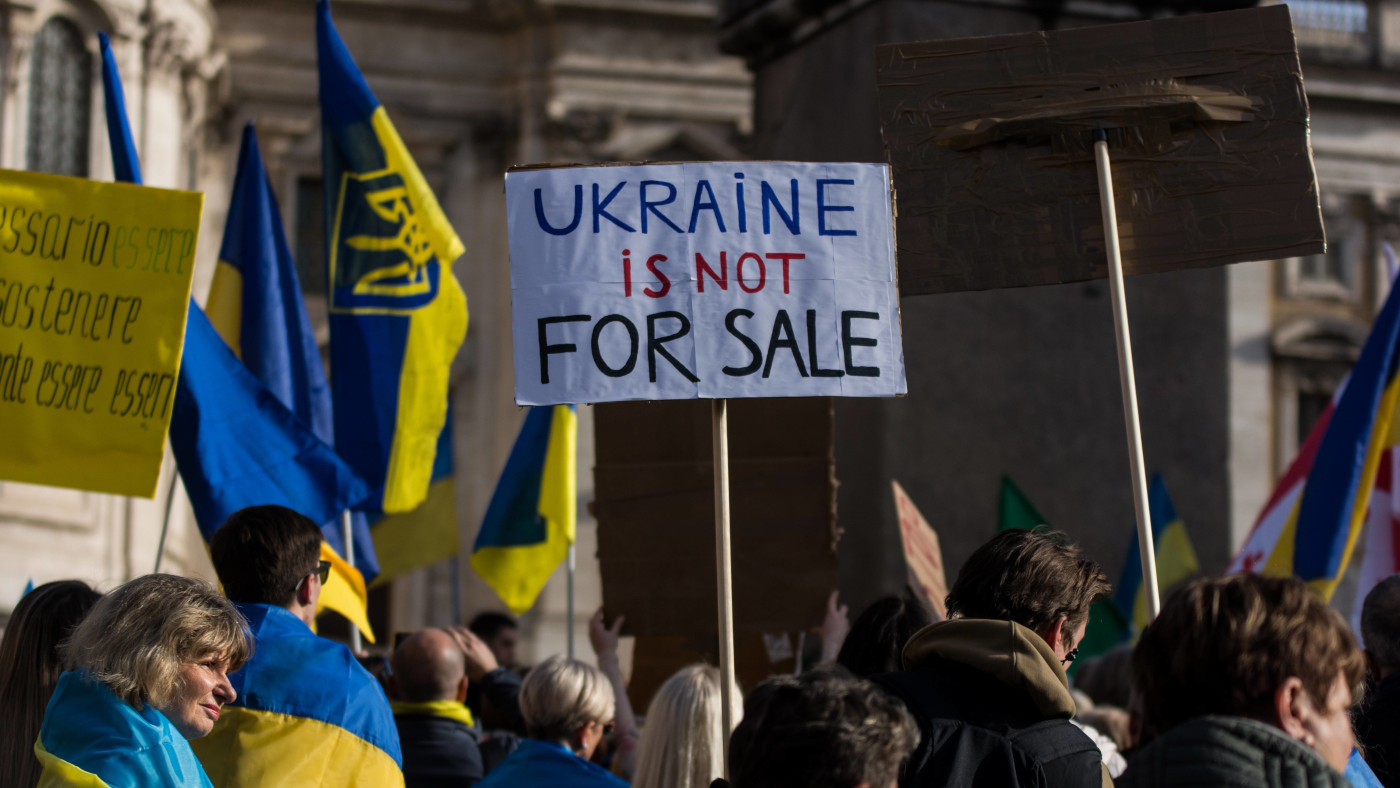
(1378, 731)
(438, 752)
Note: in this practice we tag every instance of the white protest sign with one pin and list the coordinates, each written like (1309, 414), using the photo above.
(715, 280)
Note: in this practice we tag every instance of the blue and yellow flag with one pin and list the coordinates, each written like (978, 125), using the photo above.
(93, 739)
(397, 314)
(255, 303)
(1176, 558)
(235, 442)
(428, 534)
(1311, 523)
(529, 523)
(306, 714)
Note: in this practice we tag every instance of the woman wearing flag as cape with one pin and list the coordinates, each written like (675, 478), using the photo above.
(148, 672)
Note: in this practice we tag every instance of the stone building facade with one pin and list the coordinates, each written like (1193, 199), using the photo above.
(473, 86)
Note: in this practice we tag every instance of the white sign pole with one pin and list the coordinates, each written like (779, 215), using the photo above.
(1146, 551)
(720, 418)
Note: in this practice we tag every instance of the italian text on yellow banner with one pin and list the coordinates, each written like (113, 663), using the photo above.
(94, 286)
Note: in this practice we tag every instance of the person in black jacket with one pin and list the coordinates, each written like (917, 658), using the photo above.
(988, 686)
(428, 684)
(1378, 720)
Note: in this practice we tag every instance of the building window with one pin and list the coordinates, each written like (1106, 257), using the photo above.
(1333, 29)
(309, 250)
(1333, 275)
(60, 100)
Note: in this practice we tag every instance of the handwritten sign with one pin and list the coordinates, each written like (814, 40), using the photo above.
(94, 284)
(724, 279)
(921, 552)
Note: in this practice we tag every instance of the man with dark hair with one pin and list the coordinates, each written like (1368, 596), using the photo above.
(428, 683)
(1378, 721)
(825, 727)
(988, 686)
(307, 713)
(499, 631)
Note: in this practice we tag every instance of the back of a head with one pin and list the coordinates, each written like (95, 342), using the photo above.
(560, 695)
(262, 552)
(878, 635)
(427, 666)
(1380, 623)
(682, 743)
(487, 625)
(1029, 577)
(30, 664)
(137, 637)
(1108, 678)
(824, 728)
(1223, 645)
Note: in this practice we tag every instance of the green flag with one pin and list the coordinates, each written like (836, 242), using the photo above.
(1016, 510)
(1106, 625)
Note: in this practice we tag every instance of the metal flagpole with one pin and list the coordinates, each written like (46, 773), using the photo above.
(1146, 550)
(165, 526)
(348, 533)
(571, 601)
(720, 424)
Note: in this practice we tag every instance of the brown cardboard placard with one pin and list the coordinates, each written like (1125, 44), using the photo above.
(654, 502)
(922, 553)
(989, 144)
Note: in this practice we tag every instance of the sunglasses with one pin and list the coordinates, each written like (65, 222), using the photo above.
(322, 570)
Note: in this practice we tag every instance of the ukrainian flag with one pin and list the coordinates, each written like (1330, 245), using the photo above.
(428, 534)
(530, 521)
(1176, 558)
(93, 739)
(397, 314)
(235, 443)
(1336, 473)
(306, 714)
(255, 302)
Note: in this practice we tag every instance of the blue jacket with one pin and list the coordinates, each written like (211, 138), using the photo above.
(540, 764)
(88, 729)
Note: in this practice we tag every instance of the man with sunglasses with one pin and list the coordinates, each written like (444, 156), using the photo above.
(307, 712)
(988, 686)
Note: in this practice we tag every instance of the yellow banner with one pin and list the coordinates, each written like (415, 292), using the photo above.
(94, 286)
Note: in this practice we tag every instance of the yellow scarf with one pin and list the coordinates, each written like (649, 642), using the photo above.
(450, 709)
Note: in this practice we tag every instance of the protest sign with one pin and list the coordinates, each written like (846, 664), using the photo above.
(94, 285)
(715, 280)
(922, 552)
(990, 144)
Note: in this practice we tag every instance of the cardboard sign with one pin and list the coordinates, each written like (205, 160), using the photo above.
(655, 499)
(921, 552)
(94, 285)
(990, 142)
(727, 279)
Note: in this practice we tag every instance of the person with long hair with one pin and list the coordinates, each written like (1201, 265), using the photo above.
(30, 665)
(147, 672)
(683, 739)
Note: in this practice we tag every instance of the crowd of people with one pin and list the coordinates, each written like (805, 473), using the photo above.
(1242, 680)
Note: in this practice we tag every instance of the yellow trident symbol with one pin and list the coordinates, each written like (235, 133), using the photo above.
(393, 205)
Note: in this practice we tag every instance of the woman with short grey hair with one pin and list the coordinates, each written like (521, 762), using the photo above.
(568, 708)
(147, 671)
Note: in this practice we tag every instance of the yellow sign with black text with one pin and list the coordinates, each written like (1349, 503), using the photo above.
(94, 288)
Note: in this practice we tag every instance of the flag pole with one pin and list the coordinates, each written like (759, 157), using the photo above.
(571, 600)
(165, 526)
(719, 411)
(348, 533)
(1146, 550)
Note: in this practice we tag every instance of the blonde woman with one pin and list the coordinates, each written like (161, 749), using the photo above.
(147, 671)
(568, 708)
(683, 738)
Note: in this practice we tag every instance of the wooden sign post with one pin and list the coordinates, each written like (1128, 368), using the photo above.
(990, 141)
